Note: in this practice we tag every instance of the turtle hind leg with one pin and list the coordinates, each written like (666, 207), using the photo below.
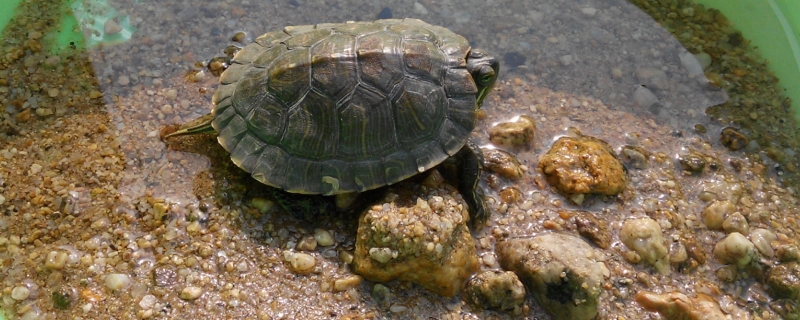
(469, 169)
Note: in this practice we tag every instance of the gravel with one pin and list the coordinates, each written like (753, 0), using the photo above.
(83, 172)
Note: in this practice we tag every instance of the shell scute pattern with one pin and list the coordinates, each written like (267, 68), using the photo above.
(350, 107)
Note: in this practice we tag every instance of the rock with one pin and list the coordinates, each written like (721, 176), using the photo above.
(634, 157)
(715, 213)
(307, 243)
(323, 237)
(736, 222)
(692, 162)
(644, 237)
(148, 301)
(562, 272)
(691, 63)
(676, 305)
(502, 163)
(510, 195)
(644, 98)
(732, 138)
(300, 263)
(111, 27)
(117, 281)
(783, 281)
(583, 165)
(787, 252)
(191, 293)
(596, 230)
(425, 241)
(20, 293)
(565, 60)
(382, 295)
(262, 205)
(496, 290)
(56, 260)
(517, 133)
(347, 283)
(653, 78)
(786, 308)
(63, 297)
(164, 276)
(735, 249)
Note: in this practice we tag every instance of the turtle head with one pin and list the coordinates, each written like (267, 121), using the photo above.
(484, 70)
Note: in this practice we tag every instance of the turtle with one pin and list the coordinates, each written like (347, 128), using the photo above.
(343, 108)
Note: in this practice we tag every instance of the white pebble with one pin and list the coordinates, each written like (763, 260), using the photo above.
(117, 281)
(762, 239)
(36, 168)
(735, 249)
(301, 263)
(147, 301)
(199, 76)
(396, 308)
(382, 255)
(2, 199)
(644, 237)
(20, 293)
(191, 293)
(323, 237)
(589, 11)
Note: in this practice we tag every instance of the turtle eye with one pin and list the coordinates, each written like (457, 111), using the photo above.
(487, 76)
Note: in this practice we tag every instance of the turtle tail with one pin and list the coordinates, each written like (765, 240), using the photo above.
(197, 126)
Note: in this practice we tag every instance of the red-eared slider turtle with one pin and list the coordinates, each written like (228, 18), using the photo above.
(349, 107)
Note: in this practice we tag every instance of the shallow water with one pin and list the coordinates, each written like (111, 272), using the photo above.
(85, 172)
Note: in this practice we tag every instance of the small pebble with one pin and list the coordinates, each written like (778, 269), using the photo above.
(44, 112)
(123, 80)
(117, 281)
(262, 205)
(643, 97)
(589, 11)
(56, 260)
(20, 293)
(323, 237)
(565, 60)
(147, 301)
(35, 169)
(301, 263)
(347, 283)
(199, 76)
(191, 293)
(396, 308)
(111, 27)
(52, 92)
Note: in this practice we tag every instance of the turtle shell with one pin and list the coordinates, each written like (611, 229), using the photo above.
(339, 108)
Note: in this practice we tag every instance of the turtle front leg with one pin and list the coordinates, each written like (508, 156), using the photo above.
(469, 168)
